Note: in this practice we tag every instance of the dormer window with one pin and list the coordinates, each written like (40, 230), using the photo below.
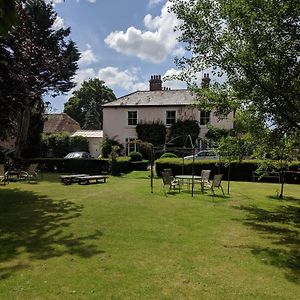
(204, 117)
(170, 117)
(132, 118)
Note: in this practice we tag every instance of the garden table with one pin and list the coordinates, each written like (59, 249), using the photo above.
(188, 179)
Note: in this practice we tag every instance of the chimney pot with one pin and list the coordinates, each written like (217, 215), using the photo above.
(155, 83)
(205, 80)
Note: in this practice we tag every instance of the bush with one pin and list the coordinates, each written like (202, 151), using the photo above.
(79, 166)
(168, 154)
(154, 133)
(135, 156)
(124, 164)
(107, 146)
(60, 144)
(239, 171)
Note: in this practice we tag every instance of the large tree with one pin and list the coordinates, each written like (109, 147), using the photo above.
(79, 104)
(254, 46)
(40, 61)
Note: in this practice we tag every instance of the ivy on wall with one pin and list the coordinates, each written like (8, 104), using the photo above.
(154, 133)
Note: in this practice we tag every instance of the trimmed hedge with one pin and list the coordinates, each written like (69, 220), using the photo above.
(238, 171)
(124, 165)
(85, 165)
(169, 155)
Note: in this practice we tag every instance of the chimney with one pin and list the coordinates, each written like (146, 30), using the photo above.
(155, 83)
(205, 81)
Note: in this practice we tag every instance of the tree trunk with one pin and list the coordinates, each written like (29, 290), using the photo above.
(282, 183)
(23, 131)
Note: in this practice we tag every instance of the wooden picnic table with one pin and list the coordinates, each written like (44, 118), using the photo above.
(69, 179)
(92, 179)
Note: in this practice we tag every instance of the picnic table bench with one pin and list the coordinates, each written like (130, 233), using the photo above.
(93, 178)
(69, 179)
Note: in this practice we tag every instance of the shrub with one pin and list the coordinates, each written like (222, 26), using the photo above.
(154, 133)
(168, 154)
(135, 156)
(85, 165)
(123, 164)
(107, 146)
(60, 144)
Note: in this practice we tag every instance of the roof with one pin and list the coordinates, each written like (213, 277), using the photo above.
(59, 123)
(89, 133)
(155, 98)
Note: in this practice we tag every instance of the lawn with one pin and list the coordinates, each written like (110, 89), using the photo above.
(118, 241)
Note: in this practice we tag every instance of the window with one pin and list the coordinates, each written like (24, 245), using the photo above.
(132, 118)
(170, 117)
(130, 145)
(204, 117)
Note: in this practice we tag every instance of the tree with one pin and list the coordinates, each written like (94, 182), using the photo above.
(92, 90)
(92, 121)
(7, 16)
(41, 61)
(230, 149)
(254, 45)
(276, 152)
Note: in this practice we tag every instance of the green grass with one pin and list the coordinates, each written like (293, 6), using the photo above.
(119, 241)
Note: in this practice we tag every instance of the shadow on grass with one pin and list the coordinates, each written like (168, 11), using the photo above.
(281, 227)
(37, 226)
(287, 198)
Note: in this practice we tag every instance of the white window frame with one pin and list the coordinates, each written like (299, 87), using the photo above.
(166, 121)
(137, 117)
(205, 120)
(130, 147)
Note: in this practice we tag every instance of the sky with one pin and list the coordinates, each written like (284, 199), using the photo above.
(122, 42)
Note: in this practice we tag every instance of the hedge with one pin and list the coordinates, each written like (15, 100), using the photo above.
(85, 165)
(238, 171)
(124, 165)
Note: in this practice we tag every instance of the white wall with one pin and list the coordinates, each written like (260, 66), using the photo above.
(115, 119)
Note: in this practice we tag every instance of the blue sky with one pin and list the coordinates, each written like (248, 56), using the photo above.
(122, 42)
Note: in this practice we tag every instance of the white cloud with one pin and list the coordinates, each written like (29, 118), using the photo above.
(173, 83)
(180, 51)
(127, 79)
(82, 75)
(57, 1)
(58, 23)
(153, 45)
(87, 57)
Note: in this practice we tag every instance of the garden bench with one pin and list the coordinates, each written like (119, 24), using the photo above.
(69, 179)
(92, 179)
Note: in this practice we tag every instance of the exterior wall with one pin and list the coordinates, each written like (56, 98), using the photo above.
(115, 119)
(95, 146)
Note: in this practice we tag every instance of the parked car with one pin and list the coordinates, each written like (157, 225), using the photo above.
(78, 155)
(204, 154)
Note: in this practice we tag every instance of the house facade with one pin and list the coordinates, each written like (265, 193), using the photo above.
(167, 106)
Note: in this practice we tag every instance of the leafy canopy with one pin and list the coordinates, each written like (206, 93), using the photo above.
(92, 90)
(254, 46)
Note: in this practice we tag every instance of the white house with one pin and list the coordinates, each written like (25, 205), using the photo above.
(120, 117)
